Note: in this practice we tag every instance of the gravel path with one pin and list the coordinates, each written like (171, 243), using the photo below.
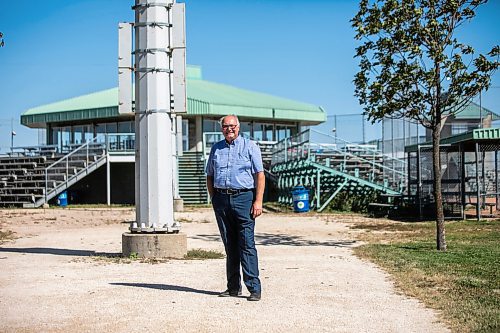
(51, 282)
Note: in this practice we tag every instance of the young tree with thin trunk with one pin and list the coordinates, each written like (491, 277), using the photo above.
(412, 66)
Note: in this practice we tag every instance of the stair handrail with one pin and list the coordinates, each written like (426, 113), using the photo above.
(300, 146)
(362, 159)
(360, 147)
(67, 156)
(282, 145)
(309, 130)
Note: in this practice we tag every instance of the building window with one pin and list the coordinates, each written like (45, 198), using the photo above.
(211, 125)
(55, 135)
(88, 133)
(246, 128)
(111, 128)
(459, 128)
(65, 136)
(77, 134)
(185, 134)
(282, 132)
(263, 132)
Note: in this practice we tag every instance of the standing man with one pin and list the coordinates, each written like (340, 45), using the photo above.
(235, 182)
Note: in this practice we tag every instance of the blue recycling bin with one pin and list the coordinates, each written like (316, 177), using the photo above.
(62, 199)
(300, 199)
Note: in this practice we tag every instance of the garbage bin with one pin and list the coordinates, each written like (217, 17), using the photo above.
(300, 199)
(62, 199)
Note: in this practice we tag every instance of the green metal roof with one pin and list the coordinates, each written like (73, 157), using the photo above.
(474, 111)
(224, 99)
(102, 104)
(204, 98)
(476, 135)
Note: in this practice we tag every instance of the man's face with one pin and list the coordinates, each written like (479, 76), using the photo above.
(230, 128)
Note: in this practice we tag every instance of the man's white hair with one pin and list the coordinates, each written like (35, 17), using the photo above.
(221, 120)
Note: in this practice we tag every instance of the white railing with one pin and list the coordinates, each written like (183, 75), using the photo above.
(80, 156)
(314, 145)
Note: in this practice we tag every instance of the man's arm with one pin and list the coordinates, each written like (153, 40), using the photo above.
(210, 186)
(260, 184)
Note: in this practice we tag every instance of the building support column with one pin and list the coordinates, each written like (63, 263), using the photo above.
(108, 180)
(199, 133)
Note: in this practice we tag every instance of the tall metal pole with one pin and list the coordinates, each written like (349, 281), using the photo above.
(12, 134)
(363, 127)
(336, 128)
(480, 111)
(463, 175)
(497, 194)
(154, 159)
(419, 183)
(478, 183)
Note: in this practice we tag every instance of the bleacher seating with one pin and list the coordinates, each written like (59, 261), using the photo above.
(22, 177)
(29, 174)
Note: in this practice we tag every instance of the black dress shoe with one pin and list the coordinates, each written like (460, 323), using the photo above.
(230, 293)
(254, 297)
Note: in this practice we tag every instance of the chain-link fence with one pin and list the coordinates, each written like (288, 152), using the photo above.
(389, 135)
(351, 127)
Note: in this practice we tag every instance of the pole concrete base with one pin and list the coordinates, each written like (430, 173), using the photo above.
(154, 245)
(178, 205)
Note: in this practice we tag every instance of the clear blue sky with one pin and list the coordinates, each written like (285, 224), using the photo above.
(58, 49)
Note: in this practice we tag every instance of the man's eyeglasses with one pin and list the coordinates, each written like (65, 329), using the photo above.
(224, 127)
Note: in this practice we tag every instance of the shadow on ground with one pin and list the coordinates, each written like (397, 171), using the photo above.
(59, 252)
(267, 239)
(165, 287)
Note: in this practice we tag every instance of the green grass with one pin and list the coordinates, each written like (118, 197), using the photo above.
(6, 235)
(463, 283)
(118, 258)
(203, 254)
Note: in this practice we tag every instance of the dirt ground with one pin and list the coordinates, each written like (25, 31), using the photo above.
(53, 278)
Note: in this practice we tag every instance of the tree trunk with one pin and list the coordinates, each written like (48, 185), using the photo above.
(436, 163)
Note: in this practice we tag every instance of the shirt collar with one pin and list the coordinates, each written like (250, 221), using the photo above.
(235, 141)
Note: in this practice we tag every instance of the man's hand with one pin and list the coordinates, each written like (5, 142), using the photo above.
(260, 181)
(256, 209)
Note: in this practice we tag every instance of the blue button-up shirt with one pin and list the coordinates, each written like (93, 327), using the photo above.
(233, 165)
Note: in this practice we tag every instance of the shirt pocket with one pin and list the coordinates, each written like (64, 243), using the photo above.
(243, 162)
(220, 164)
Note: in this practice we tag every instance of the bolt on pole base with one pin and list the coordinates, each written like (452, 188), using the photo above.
(169, 229)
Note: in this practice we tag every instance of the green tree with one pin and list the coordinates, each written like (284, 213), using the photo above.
(412, 66)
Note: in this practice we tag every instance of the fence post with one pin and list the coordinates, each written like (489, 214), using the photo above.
(363, 127)
(286, 150)
(318, 189)
(46, 184)
(67, 170)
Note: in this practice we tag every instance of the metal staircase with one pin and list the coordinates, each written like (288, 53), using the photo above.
(31, 181)
(324, 182)
(331, 167)
(192, 180)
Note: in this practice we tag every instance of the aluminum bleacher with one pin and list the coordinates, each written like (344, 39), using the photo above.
(30, 176)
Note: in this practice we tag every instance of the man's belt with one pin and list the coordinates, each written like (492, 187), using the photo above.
(231, 191)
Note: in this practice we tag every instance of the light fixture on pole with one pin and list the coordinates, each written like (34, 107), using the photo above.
(12, 135)
(334, 130)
